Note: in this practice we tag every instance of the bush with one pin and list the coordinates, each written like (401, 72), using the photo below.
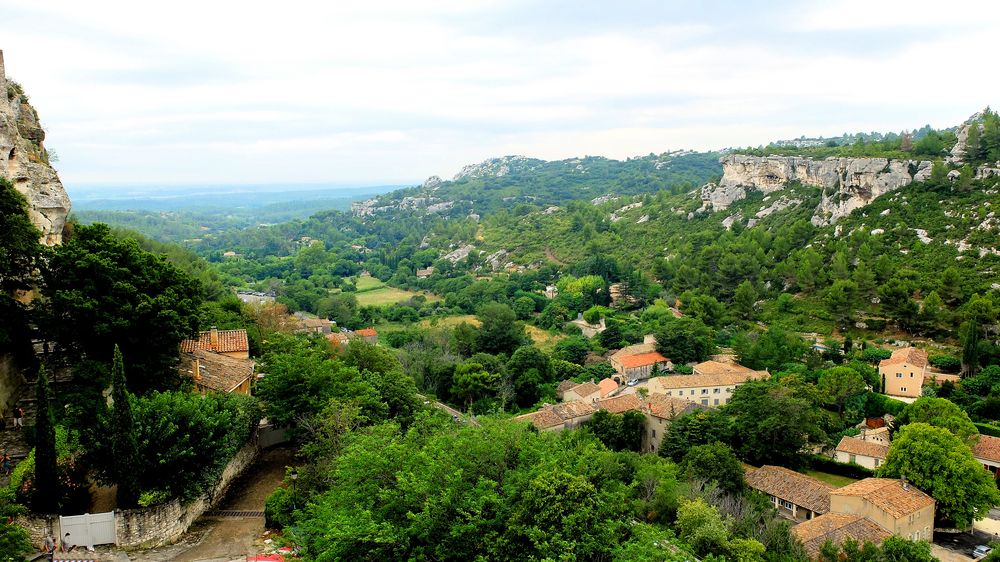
(875, 354)
(826, 464)
(988, 429)
(153, 497)
(278, 509)
(947, 363)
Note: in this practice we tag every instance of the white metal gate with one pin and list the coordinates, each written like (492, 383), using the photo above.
(89, 529)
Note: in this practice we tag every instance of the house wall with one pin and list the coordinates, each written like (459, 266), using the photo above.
(699, 395)
(571, 396)
(794, 512)
(653, 434)
(902, 379)
(237, 354)
(919, 525)
(862, 460)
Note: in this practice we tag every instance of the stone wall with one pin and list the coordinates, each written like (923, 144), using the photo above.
(10, 382)
(160, 524)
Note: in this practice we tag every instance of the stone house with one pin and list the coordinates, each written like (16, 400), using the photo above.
(861, 452)
(903, 373)
(424, 273)
(707, 390)
(987, 452)
(608, 387)
(660, 411)
(631, 368)
(584, 392)
(368, 335)
(557, 417)
(836, 528)
(216, 372)
(796, 496)
(232, 343)
(897, 507)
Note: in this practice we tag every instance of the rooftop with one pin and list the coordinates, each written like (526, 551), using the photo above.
(642, 360)
(791, 486)
(607, 386)
(219, 341)
(620, 404)
(215, 371)
(719, 368)
(367, 332)
(637, 349)
(909, 355)
(836, 527)
(668, 407)
(888, 494)
(662, 384)
(586, 389)
(858, 446)
(987, 448)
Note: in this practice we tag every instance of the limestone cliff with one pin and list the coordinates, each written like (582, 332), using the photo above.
(24, 161)
(847, 183)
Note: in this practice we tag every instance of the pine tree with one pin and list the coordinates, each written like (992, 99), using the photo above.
(46, 476)
(124, 447)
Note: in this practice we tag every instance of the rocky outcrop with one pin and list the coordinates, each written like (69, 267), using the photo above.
(498, 167)
(24, 161)
(847, 183)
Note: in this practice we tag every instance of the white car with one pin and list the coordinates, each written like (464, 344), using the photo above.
(980, 551)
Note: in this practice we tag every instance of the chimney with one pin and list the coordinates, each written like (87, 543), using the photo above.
(213, 339)
(906, 485)
(196, 369)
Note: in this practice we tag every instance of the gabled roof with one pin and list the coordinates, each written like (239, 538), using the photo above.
(620, 404)
(642, 360)
(216, 372)
(607, 386)
(636, 349)
(668, 407)
(552, 415)
(227, 341)
(566, 385)
(889, 495)
(791, 486)
(584, 390)
(671, 382)
(987, 448)
(857, 446)
(909, 355)
(719, 368)
(836, 527)
(542, 419)
(367, 332)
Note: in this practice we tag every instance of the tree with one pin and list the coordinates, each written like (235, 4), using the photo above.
(528, 369)
(700, 525)
(472, 381)
(499, 330)
(931, 313)
(942, 413)
(685, 339)
(840, 299)
(618, 432)
(840, 384)
(769, 350)
(745, 300)
(102, 289)
(702, 427)
(573, 349)
(524, 307)
(716, 463)
(939, 463)
(20, 258)
(771, 425)
(46, 473)
(124, 445)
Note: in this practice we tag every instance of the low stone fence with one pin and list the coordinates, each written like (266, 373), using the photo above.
(160, 524)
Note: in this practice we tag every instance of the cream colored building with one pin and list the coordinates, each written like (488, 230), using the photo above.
(897, 507)
(706, 390)
(861, 452)
(903, 373)
(660, 411)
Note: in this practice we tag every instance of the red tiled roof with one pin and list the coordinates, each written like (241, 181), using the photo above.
(228, 341)
(889, 495)
(791, 486)
(856, 446)
(642, 360)
(607, 386)
(620, 404)
(987, 448)
(367, 332)
(910, 355)
(837, 527)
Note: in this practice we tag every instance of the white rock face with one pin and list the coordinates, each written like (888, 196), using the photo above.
(23, 161)
(847, 183)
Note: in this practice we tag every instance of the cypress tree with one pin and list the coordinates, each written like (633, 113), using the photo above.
(124, 446)
(46, 477)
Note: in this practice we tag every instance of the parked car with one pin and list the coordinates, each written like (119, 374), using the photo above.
(981, 551)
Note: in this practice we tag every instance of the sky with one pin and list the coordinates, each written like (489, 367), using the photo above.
(380, 92)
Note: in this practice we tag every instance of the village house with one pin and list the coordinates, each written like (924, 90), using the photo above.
(836, 528)
(987, 452)
(638, 362)
(303, 323)
(861, 452)
(424, 273)
(707, 390)
(342, 338)
(720, 368)
(897, 507)
(563, 387)
(233, 343)
(660, 411)
(215, 372)
(796, 496)
(903, 373)
(875, 430)
(368, 335)
(608, 387)
(585, 392)
(557, 417)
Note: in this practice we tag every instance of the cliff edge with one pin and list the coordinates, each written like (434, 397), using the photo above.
(25, 162)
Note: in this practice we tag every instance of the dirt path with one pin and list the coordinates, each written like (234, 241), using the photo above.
(552, 257)
(221, 539)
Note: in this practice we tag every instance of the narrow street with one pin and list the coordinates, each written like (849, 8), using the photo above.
(221, 536)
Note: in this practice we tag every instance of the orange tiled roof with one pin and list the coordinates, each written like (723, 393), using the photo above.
(367, 332)
(856, 446)
(910, 355)
(719, 368)
(217, 372)
(637, 349)
(552, 415)
(668, 407)
(642, 360)
(791, 486)
(987, 448)
(889, 495)
(660, 384)
(542, 419)
(228, 341)
(836, 527)
(619, 404)
(607, 386)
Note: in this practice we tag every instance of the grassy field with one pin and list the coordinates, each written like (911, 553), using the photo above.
(368, 283)
(542, 339)
(389, 295)
(832, 479)
(449, 321)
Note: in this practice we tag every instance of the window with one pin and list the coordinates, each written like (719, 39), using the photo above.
(654, 434)
(715, 391)
(911, 375)
(902, 389)
(670, 393)
(899, 375)
(878, 462)
(787, 504)
(716, 401)
(854, 459)
(704, 402)
(680, 393)
(729, 389)
(704, 391)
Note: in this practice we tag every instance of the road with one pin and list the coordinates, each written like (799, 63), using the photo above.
(455, 414)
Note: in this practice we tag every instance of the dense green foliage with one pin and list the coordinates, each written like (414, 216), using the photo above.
(20, 254)
(125, 461)
(47, 489)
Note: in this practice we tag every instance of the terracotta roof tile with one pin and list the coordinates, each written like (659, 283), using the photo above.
(987, 448)
(216, 371)
(566, 385)
(889, 495)
(791, 486)
(607, 386)
(553, 415)
(637, 349)
(911, 355)
(584, 390)
(661, 384)
(228, 341)
(857, 446)
(620, 404)
(836, 527)
(668, 407)
(642, 360)
(367, 332)
(719, 368)
(542, 419)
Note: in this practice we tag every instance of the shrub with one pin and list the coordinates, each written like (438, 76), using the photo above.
(826, 464)
(875, 354)
(153, 497)
(947, 363)
(278, 509)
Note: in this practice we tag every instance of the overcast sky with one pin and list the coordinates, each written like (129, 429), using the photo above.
(370, 92)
